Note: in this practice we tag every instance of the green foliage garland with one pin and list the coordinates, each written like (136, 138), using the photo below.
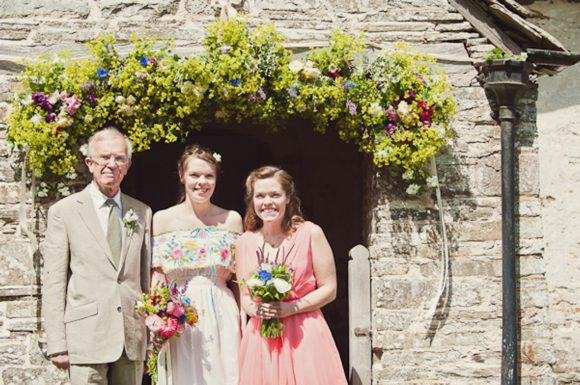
(398, 108)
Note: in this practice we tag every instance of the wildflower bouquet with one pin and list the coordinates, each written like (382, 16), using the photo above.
(167, 311)
(270, 283)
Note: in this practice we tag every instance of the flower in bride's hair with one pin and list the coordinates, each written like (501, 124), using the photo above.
(154, 322)
(217, 157)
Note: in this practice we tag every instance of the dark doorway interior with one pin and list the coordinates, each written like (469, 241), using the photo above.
(327, 172)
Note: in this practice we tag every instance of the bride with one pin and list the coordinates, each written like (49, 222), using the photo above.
(193, 244)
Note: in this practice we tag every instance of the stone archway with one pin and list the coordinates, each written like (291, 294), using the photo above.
(328, 173)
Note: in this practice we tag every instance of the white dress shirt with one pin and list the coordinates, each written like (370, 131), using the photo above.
(102, 209)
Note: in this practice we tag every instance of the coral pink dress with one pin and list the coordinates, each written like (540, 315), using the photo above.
(306, 354)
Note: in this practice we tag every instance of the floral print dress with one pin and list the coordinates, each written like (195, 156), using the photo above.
(202, 260)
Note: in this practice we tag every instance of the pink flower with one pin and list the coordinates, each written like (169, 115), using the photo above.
(176, 254)
(225, 253)
(154, 322)
(202, 250)
(169, 328)
(392, 114)
(175, 309)
(72, 104)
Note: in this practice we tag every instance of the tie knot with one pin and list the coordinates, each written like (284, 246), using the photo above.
(110, 202)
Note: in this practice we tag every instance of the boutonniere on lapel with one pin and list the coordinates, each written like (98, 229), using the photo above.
(130, 221)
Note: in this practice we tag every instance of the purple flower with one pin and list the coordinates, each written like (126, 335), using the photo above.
(411, 97)
(102, 73)
(153, 60)
(292, 92)
(351, 107)
(262, 93)
(144, 61)
(235, 82)
(51, 117)
(426, 123)
(41, 100)
(92, 98)
(254, 98)
(390, 129)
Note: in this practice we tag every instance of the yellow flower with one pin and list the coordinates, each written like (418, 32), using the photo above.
(191, 245)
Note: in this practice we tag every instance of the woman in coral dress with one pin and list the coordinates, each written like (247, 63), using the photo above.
(306, 353)
(193, 243)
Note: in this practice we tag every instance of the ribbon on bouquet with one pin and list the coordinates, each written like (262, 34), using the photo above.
(164, 376)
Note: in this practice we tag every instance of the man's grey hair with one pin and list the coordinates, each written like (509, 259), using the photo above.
(107, 132)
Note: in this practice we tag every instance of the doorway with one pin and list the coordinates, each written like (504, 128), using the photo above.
(328, 174)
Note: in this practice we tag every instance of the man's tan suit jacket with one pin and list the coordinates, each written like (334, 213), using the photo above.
(88, 302)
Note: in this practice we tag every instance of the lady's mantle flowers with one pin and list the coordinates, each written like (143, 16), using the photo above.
(131, 221)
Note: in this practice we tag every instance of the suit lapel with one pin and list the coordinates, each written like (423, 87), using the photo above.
(89, 216)
(126, 237)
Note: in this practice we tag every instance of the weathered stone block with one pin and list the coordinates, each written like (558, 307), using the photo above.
(391, 266)
(23, 309)
(533, 299)
(10, 192)
(392, 320)
(15, 265)
(403, 294)
(300, 5)
(395, 26)
(434, 14)
(129, 8)
(79, 8)
(537, 353)
(34, 376)
(477, 231)
(24, 326)
(454, 27)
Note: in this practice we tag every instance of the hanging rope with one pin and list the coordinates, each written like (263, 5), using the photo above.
(22, 209)
(445, 252)
(228, 11)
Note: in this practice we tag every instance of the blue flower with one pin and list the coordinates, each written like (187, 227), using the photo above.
(292, 92)
(235, 82)
(182, 318)
(264, 275)
(144, 61)
(350, 85)
(185, 301)
(102, 73)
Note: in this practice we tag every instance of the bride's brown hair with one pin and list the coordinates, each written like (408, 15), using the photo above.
(190, 152)
(293, 215)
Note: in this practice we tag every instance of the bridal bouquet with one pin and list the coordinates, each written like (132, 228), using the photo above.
(270, 283)
(167, 311)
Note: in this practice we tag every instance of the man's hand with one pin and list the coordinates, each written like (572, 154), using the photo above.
(61, 361)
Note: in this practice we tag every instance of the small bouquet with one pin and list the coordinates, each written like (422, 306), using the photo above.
(167, 311)
(270, 283)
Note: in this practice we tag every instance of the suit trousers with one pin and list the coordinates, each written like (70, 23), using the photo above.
(121, 372)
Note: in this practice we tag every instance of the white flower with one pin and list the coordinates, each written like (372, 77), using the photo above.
(281, 285)
(254, 282)
(381, 153)
(164, 63)
(71, 175)
(63, 135)
(131, 100)
(220, 114)
(37, 118)
(408, 175)
(403, 109)
(309, 64)
(295, 66)
(84, 149)
(375, 109)
(131, 221)
(42, 193)
(187, 87)
(413, 189)
(27, 100)
(217, 157)
(332, 68)
(252, 66)
(63, 190)
(432, 182)
(54, 97)
(120, 99)
(311, 72)
(198, 91)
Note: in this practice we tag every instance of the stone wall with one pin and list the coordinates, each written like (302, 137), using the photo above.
(462, 343)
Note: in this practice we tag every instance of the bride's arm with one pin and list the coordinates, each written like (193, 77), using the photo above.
(325, 273)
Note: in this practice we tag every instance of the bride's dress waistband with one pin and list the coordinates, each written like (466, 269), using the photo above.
(201, 280)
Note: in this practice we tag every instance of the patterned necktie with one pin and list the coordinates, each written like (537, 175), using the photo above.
(114, 231)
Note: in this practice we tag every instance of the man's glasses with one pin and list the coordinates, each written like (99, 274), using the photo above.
(103, 159)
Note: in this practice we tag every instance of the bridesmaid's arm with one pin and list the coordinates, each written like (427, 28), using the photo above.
(325, 273)
(157, 276)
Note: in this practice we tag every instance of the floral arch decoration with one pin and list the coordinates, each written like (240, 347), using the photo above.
(398, 108)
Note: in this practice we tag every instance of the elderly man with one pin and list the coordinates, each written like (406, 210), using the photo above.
(96, 265)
